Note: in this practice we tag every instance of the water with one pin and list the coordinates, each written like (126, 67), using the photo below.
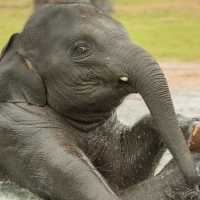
(9, 191)
(186, 102)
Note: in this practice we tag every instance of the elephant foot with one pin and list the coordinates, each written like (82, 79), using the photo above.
(192, 195)
(194, 140)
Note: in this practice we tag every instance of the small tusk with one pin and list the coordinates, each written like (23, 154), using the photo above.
(123, 78)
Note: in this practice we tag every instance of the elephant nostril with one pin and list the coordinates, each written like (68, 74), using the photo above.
(123, 78)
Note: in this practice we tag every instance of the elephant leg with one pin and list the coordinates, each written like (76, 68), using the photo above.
(169, 183)
(148, 146)
(186, 125)
(38, 150)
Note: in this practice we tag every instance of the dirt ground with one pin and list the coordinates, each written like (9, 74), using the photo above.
(182, 74)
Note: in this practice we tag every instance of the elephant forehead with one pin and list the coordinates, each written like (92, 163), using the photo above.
(68, 12)
(63, 17)
(64, 21)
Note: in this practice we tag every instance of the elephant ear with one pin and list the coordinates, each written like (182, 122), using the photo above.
(6, 47)
(19, 80)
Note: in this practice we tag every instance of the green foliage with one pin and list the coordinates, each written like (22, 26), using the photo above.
(167, 29)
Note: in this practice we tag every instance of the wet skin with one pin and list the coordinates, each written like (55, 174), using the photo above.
(59, 135)
(125, 158)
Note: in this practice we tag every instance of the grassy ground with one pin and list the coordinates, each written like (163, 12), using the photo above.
(168, 29)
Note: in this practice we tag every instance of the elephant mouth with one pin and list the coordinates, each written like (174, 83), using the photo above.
(88, 118)
(127, 87)
(88, 121)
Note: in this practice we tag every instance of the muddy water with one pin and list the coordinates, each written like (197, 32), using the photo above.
(186, 102)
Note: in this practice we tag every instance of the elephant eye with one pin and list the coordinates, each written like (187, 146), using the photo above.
(82, 49)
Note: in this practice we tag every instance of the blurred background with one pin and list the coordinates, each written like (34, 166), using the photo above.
(168, 29)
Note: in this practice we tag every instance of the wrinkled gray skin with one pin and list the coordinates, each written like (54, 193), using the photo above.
(59, 86)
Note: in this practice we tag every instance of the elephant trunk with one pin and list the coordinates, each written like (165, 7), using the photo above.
(149, 81)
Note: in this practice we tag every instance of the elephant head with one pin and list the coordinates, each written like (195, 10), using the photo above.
(82, 64)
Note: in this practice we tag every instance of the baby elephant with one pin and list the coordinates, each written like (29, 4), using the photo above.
(61, 79)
